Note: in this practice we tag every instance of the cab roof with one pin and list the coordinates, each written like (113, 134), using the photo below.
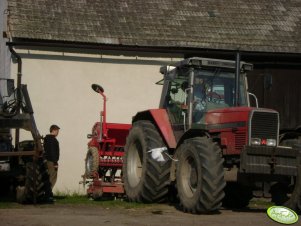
(208, 62)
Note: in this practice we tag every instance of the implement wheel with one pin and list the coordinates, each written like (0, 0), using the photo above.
(145, 179)
(91, 162)
(200, 176)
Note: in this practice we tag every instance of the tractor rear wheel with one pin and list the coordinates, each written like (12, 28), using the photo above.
(91, 162)
(145, 179)
(200, 176)
(37, 185)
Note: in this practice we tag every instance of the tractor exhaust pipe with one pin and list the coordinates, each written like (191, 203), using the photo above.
(19, 77)
(237, 78)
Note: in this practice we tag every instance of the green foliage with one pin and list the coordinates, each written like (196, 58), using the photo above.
(75, 198)
(260, 203)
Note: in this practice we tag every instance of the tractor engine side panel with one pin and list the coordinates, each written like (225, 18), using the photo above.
(232, 125)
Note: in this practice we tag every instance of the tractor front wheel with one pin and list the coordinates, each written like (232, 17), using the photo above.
(200, 176)
(146, 179)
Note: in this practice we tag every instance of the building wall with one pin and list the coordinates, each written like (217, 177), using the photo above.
(4, 52)
(279, 89)
(60, 89)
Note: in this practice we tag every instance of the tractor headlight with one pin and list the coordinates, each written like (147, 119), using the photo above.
(264, 142)
(271, 142)
(255, 141)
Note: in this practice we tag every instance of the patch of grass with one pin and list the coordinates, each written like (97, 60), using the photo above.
(75, 198)
(8, 202)
(260, 203)
(104, 202)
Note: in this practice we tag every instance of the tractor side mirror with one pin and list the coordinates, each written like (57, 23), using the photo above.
(169, 72)
(97, 88)
(89, 136)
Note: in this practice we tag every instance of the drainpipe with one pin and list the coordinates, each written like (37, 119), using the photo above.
(19, 96)
(237, 78)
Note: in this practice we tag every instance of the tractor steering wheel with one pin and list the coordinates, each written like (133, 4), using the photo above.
(214, 97)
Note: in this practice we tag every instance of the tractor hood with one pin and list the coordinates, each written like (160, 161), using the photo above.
(237, 116)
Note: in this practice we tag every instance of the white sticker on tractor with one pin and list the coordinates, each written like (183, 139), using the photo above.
(157, 154)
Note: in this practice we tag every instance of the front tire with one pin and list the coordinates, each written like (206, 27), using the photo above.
(145, 178)
(200, 176)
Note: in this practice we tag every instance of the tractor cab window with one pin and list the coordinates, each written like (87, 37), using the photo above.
(176, 97)
(214, 90)
(176, 100)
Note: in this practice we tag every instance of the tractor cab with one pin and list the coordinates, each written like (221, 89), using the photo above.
(195, 86)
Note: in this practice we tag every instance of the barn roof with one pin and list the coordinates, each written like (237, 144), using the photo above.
(255, 26)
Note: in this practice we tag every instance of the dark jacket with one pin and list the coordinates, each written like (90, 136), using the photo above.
(51, 148)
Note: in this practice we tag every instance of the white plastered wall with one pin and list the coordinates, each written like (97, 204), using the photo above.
(60, 91)
(4, 51)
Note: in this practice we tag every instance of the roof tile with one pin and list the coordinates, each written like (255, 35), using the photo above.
(257, 25)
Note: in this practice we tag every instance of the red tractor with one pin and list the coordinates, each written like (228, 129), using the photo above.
(205, 142)
(209, 143)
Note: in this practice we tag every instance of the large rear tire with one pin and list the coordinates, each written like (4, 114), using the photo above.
(37, 185)
(200, 176)
(145, 179)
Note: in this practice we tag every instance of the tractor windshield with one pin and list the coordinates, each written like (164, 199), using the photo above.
(214, 89)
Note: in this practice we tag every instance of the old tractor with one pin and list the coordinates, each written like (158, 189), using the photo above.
(104, 159)
(23, 172)
(208, 143)
(205, 144)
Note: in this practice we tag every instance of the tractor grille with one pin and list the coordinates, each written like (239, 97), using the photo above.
(264, 125)
(240, 140)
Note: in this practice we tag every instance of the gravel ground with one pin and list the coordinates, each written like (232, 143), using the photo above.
(82, 215)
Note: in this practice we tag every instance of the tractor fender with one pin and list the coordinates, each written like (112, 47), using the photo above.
(290, 134)
(191, 133)
(161, 120)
